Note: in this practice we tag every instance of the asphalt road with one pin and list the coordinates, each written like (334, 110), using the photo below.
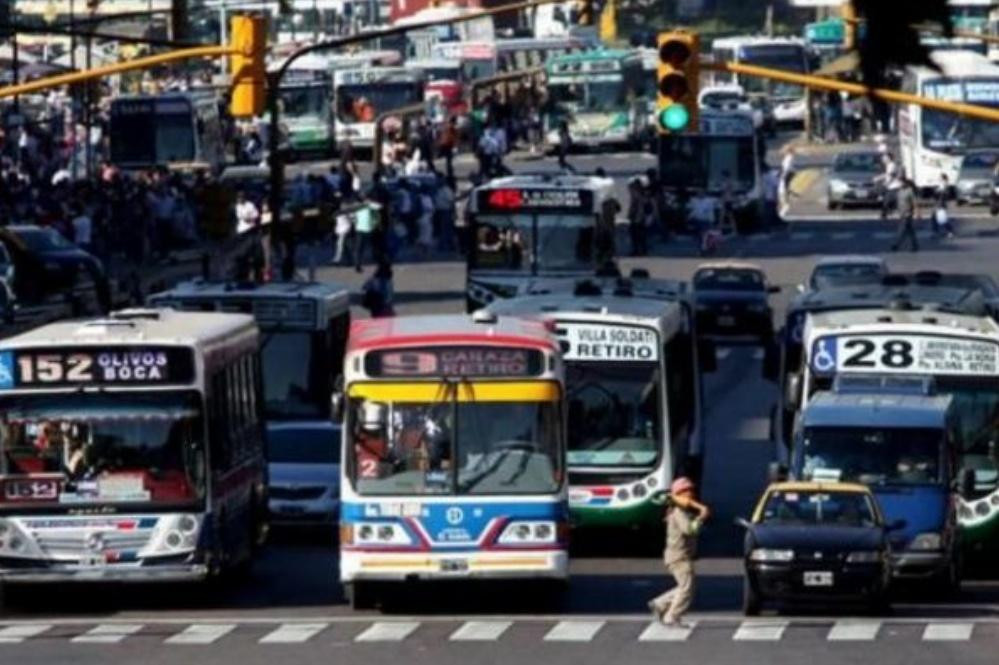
(292, 609)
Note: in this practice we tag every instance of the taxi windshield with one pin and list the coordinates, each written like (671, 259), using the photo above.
(787, 507)
(874, 455)
(456, 438)
(615, 410)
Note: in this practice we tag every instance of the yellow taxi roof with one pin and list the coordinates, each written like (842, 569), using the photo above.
(799, 486)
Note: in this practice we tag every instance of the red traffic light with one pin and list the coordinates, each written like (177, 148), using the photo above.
(674, 53)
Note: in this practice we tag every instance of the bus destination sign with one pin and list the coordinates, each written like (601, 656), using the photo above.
(81, 366)
(454, 362)
(537, 200)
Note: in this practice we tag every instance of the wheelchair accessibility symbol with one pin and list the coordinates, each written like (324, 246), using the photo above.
(824, 356)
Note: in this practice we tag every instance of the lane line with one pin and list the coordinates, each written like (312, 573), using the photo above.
(574, 631)
(657, 632)
(760, 631)
(108, 633)
(293, 633)
(853, 631)
(388, 631)
(201, 633)
(480, 631)
(19, 633)
(948, 632)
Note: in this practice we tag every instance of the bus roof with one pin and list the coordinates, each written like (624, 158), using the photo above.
(138, 326)
(403, 331)
(957, 64)
(827, 409)
(877, 296)
(434, 63)
(637, 286)
(891, 319)
(607, 307)
(334, 298)
(755, 40)
(594, 55)
(547, 181)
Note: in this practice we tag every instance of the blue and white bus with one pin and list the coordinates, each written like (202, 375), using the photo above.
(453, 453)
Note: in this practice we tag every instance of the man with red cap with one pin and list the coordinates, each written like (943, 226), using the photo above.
(684, 517)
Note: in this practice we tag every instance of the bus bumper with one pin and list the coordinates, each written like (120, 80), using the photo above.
(528, 564)
(643, 514)
(44, 574)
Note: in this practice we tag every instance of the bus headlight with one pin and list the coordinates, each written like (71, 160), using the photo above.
(926, 541)
(367, 534)
(175, 534)
(529, 533)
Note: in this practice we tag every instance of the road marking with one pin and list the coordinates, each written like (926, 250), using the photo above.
(388, 631)
(293, 633)
(948, 632)
(657, 632)
(843, 235)
(480, 631)
(19, 633)
(108, 633)
(574, 631)
(202, 633)
(852, 631)
(760, 631)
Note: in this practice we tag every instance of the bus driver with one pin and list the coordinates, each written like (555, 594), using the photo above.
(371, 444)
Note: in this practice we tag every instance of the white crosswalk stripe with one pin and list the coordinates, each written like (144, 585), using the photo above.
(480, 631)
(21, 632)
(388, 631)
(574, 631)
(202, 633)
(854, 631)
(948, 632)
(760, 631)
(657, 632)
(109, 633)
(293, 633)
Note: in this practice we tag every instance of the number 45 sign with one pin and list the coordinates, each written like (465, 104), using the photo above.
(907, 354)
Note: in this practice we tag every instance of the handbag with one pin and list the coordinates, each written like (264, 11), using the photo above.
(940, 216)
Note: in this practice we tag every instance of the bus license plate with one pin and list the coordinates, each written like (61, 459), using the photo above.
(818, 578)
(454, 565)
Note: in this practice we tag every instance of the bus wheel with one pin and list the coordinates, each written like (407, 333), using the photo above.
(360, 595)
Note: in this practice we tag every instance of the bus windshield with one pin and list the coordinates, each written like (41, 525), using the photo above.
(152, 138)
(363, 102)
(126, 447)
(508, 242)
(952, 133)
(304, 101)
(790, 57)
(293, 376)
(874, 455)
(614, 409)
(458, 446)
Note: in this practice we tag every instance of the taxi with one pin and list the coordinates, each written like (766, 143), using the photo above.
(816, 542)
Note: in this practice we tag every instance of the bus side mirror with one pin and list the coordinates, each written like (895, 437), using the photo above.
(706, 355)
(336, 407)
(771, 360)
(792, 392)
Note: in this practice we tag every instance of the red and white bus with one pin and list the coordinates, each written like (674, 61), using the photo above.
(454, 452)
(131, 448)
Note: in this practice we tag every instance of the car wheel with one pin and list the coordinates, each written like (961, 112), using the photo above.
(751, 601)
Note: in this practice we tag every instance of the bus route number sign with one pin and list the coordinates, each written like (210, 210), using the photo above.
(922, 354)
(544, 200)
(62, 366)
(454, 362)
(587, 341)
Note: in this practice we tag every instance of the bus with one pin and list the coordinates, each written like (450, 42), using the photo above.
(503, 56)
(131, 448)
(304, 328)
(446, 82)
(603, 95)
(958, 353)
(787, 53)
(176, 130)
(520, 228)
(932, 142)
(361, 95)
(784, 359)
(971, 15)
(420, 42)
(633, 390)
(453, 453)
(728, 150)
(306, 102)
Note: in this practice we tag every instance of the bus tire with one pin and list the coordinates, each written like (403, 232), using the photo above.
(360, 595)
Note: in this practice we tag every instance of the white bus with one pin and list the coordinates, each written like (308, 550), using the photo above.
(306, 104)
(176, 130)
(633, 390)
(131, 448)
(933, 142)
(361, 95)
(420, 42)
(786, 53)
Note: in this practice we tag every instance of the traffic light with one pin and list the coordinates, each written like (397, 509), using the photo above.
(248, 72)
(678, 79)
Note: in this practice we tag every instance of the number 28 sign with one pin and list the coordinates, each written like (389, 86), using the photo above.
(907, 354)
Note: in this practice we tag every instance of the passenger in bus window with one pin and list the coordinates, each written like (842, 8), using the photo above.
(370, 445)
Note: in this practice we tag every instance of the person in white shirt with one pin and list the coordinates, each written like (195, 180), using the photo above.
(247, 214)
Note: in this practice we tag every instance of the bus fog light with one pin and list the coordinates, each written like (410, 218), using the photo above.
(365, 532)
(639, 491)
(543, 531)
(623, 494)
(188, 524)
(385, 532)
(523, 532)
(652, 482)
(174, 540)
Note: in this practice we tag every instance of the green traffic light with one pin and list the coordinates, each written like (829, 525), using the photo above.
(674, 117)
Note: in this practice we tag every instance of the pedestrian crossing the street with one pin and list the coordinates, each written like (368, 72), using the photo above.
(576, 630)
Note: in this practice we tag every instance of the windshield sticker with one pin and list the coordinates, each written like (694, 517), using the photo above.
(910, 354)
(583, 341)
